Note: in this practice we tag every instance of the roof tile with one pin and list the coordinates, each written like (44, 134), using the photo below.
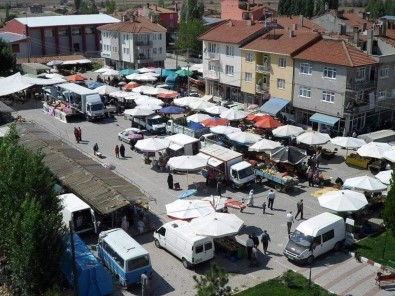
(141, 24)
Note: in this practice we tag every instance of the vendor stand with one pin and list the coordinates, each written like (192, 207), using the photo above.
(281, 181)
(358, 161)
(230, 247)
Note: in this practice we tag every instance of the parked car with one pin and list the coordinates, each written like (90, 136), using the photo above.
(124, 135)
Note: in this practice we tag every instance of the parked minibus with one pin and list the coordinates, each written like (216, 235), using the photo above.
(125, 257)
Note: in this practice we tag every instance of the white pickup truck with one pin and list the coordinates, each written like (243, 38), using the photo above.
(155, 123)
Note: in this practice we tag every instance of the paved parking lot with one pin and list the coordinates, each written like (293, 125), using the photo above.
(170, 276)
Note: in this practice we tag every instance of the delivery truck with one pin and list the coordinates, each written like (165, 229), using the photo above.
(79, 213)
(227, 165)
(154, 123)
(78, 100)
(92, 277)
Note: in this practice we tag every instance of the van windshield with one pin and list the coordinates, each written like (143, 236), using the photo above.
(244, 173)
(137, 263)
(156, 121)
(301, 238)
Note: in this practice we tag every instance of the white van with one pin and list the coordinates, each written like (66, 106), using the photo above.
(79, 212)
(315, 237)
(179, 239)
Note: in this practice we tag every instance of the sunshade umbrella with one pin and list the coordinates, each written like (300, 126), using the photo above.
(217, 225)
(155, 91)
(365, 183)
(389, 155)
(255, 117)
(146, 77)
(105, 89)
(286, 131)
(75, 78)
(224, 129)
(215, 121)
(144, 100)
(216, 110)
(233, 114)
(187, 163)
(343, 200)
(164, 72)
(143, 89)
(95, 84)
(313, 138)
(268, 122)
(187, 193)
(264, 145)
(126, 72)
(200, 105)
(146, 70)
(153, 107)
(374, 150)
(130, 85)
(184, 72)
(195, 67)
(185, 101)
(244, 137)
(102, 70)
(188, 209)
(54, 63)
(198, 117)
(133, 76)
(288, 154)
(138, 112)
(168, 95)
(152, 145)
(348, 142)
(385, 176)
(53, 76)
(111, 72)
(172, 110)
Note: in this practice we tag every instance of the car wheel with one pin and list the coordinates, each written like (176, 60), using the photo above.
(337, 246)
(233, 185)
(310, 260)
(185, 263)
(157, 244)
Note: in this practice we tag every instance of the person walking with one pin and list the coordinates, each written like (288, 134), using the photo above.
(250, 245)
(265, 239)
(250, 202)
(79, 134)
(255, 239)
(219, 188)
(254, 262)
(76, 135)
(264, 207)
(122, 151)
(299, 206)
(116, 151)
(170, 181)
(317, 158)
(290, 220)
(144, 284)
(310, 175)
(95, 149)
(270, 197)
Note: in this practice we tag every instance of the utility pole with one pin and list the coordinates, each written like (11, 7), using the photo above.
(188, 65)
(74, 264)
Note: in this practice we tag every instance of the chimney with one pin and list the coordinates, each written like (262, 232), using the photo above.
(356, 35)
(301, 21)
(294, 27)
(369, 44)
(291, 33)
(364, 27)
(147, 5)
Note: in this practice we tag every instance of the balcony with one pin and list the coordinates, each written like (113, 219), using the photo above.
(212, 75)
(262, 88)
(263, 69)
(142, 44)
(142, 59)
(357, 85)
(211, 56)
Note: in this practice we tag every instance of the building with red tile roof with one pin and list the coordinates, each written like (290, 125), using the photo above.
(245, 10)
(166, 17)
(133, 43)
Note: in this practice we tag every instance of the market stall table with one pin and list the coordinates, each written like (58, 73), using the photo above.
(230, 247)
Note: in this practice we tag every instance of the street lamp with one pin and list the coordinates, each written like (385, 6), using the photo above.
(188, 65)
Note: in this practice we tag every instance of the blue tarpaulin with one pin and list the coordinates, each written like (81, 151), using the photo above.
(195, 125)
(324, 119)
(274, 105)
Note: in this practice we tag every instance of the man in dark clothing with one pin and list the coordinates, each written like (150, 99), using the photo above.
(255, 239)
(95, 149)
(249, 245)
(122, 151)
(170, 181)
(77, 138)
(219, 188)
(299, 206)
(265, 239)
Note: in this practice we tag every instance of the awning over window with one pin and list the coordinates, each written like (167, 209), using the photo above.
(324, 119)
(274, 105)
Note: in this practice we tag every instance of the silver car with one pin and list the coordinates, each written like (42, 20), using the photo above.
(124, 135)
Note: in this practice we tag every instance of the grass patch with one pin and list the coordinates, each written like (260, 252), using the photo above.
(290, 284)
(372, 248)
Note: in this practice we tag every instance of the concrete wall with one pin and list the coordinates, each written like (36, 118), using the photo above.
(281, 73)
(248, 67)
(234, 61)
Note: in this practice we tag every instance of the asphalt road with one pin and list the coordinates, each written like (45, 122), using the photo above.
(170, 277)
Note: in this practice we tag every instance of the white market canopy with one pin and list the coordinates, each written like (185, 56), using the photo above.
(384, 176)
(105, 89)
(233, 114)
(216, 110)
(264, 145)
(313, 138)
(348, 142)
(152, 144)
(244, 137)
(200, 105)
(197, 117)
(217, 225)
(224, 129)
(185, 101)
(287, 131)
(343, 200)
(374, 150)
(188, 209)
(365, 183)
(139, 112)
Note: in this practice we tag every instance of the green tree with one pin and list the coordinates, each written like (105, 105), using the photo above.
(9, 16)
(111, 6)
(30, 219)
(161, 3)
(7, 59)
(309, 8)
(319, 7)
(77, 5)
(191, 9)
(213, 283)
(188, 34)
(281, 7)
(389, 207)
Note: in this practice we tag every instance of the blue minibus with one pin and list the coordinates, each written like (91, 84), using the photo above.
(125, 257)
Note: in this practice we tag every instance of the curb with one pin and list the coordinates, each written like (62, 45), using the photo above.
(371, 262)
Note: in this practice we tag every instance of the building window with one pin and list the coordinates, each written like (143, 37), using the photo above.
(384, 71)
(160, 49)
(305, 68)
(329, 73)
(248, 77)
(328, 96)
(361, 72)
(282, 63)
(154, 51)
(280, 83)
(381, 94)
(15, 48)
(304, 92)
(212, 48)
(63, 32)
(359, 96)
(76, 31)
(229, 50)
(393, 92)
(159, 36)
(212, 67)
(76, 47)
(249, 57)
(229, 70)
(89, 31)
(154, 37)
(49, 33)
(171, 16)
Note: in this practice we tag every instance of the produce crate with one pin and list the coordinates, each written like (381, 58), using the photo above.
(358, 162)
